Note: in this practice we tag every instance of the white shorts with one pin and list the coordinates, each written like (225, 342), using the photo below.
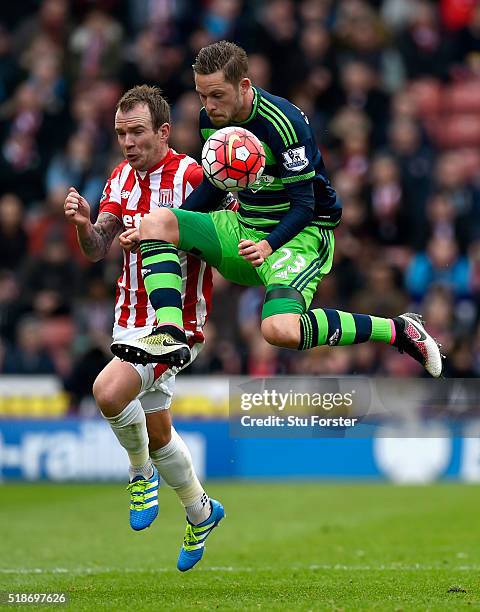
(158, 383)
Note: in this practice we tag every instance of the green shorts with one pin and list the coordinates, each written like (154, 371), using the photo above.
(290, 274)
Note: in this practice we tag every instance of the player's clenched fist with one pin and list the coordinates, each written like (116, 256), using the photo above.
(77, 209)
(130, 240)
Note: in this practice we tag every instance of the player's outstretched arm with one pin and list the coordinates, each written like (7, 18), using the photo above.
(302, 204)
(94, 240)
(296, 219)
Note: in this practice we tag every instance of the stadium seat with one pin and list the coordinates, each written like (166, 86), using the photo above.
(459, 130)
(462, 97)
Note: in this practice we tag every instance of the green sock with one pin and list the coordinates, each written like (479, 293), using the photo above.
(334, 327)
(162, 277)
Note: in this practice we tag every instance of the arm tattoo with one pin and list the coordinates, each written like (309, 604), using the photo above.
(97, 239)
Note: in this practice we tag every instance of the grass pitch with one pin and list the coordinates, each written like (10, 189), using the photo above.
(283, 547)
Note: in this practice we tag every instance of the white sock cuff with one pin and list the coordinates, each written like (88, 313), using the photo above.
(132, 413)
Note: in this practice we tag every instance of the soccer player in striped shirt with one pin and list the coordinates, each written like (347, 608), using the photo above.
(135, 399)
(282, 236)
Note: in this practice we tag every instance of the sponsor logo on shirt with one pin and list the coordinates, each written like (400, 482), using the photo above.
(132, 220)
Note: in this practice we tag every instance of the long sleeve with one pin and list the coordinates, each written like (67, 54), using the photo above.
(301, 212)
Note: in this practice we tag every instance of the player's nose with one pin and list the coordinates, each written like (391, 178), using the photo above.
(129, 141)
(209, 107)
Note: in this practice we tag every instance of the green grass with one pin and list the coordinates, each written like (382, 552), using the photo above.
(283, 547)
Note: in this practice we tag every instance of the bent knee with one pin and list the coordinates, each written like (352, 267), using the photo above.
(279, 332)
(107, 397)
(160, 216)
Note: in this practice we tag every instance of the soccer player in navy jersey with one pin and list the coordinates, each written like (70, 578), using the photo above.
(282, 236)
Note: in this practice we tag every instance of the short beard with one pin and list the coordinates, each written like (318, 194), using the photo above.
(219, 125)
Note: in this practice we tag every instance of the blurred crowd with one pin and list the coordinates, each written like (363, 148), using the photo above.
(391, 88)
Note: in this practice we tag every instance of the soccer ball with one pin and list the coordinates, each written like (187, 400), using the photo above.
(233, 159)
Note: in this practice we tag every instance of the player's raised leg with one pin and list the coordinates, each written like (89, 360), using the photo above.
(325, 326)
(213, 237)
(162, 276)
(173, 461)
(115, 390)
(286, 321)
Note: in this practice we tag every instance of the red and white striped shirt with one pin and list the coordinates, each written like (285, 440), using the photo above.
(129, 195)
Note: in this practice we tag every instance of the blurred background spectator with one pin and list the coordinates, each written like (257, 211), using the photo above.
(391, 88)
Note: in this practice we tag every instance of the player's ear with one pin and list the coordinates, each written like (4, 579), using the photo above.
(164, 131)
(245, 85)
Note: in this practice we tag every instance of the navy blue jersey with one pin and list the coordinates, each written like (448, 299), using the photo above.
(292, 161)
